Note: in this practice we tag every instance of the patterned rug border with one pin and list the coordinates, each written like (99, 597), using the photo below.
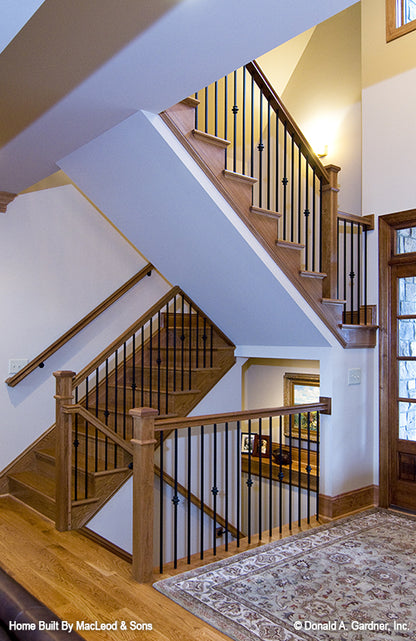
(168, 586)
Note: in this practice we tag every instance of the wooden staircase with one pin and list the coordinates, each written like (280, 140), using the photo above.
(209, 152)
(171, 369)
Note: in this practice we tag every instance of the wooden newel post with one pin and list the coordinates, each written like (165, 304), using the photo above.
(329, 233)
(63, 472)
(143, 442)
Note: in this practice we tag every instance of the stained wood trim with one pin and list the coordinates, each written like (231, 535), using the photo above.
(364, 221)
(231, 417)
(213, 140)
(6, 198)
(124, 336)
(254, 69)
(233, 175)
(105, 304)
(106, 544)
(332, 507)
(93, 420)
(198, 503)
(392, 31)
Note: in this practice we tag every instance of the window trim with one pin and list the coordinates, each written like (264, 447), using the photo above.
(393, 32)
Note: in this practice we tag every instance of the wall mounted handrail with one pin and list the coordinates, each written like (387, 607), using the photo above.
(39, 360)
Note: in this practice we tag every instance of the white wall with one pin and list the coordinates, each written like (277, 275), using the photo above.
(59, 258)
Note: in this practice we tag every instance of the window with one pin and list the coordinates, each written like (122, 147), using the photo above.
(400, 18)
(300, 389)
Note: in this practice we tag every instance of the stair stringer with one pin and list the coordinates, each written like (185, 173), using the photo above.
(170, 208)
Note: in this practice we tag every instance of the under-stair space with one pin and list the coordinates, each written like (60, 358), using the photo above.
(168, 360)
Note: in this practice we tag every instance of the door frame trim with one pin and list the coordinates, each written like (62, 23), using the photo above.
(387, 226)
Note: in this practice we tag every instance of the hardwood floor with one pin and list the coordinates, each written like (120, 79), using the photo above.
(81, 581)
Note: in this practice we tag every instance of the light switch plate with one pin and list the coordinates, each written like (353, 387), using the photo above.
(16, 364)
(354, 376)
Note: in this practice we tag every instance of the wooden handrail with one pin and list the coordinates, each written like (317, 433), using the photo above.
(81, 411)
(254, 69)
(324, 407)
(43, 356)
(364, 221)
(125, 336)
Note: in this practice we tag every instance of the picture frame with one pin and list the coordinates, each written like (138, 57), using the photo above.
(261, 445)
(301, 388)
(247, 442)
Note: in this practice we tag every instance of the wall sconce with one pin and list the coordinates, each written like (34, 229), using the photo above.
(322, 151)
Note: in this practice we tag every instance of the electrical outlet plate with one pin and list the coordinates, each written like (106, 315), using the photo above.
(354, 376)
(16, 364)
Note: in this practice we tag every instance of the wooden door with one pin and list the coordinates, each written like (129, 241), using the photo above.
(403, 386)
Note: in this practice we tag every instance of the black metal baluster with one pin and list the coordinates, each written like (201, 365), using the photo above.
(142, 349)
(238, 482)
(174, 344)
(299, 470)
(116, 403)
(345, 269)
(197, 341)
(188, 500)
(133, 380)
(284, 179)
(235, 112)
(206, 109)
(159, 360)
(216, 107)
(201, 465)
(268, 156)
(175, 501)
(106, 415)
(299, 195)
(358, 274)
(76, 444)
(96, 414)
(243, 131)
(313, 249)
(204, 338)
(252, 128)
(225, 118)
(190, 349)
(260, 148)
(161, 503)
(318, 419)
(151, 362)
(270, 476)
(290, 471)
(306, 213)
(281, 475)
(214, 492)
(365, 275)
(352, 273)
(196, 111)
(167, 361)
(292, 191)
(86, 438)
(182, 337)
(226, 466)
(249, 482)
(211, 349)
(308, 469)
(338, 259)
(260, 481)
(277, 185)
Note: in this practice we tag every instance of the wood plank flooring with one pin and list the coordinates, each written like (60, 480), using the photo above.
(81, 581)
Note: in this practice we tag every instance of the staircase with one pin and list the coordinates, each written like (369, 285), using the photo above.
(168, 360)
(263, 163)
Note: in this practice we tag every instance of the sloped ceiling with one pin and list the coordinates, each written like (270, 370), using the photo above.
(79, 68)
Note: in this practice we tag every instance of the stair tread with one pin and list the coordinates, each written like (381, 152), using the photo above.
(311, 274)
(50, 455)
(289, 244)
(269, 213)
(213, 140)
(334, 301)
(358, 326)
(233, 175)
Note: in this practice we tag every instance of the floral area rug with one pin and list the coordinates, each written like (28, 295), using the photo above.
(350, 580)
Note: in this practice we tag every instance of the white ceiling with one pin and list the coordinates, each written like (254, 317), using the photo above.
(77, 69)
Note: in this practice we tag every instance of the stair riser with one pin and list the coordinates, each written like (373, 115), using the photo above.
(30, 496)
